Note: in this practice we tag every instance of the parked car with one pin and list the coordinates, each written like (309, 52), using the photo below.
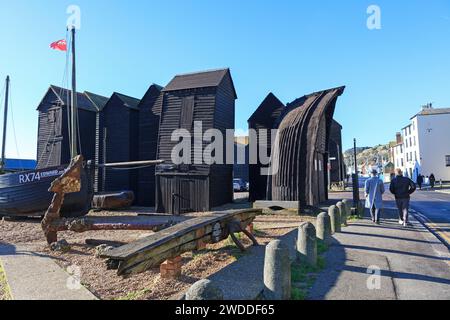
(239, 185)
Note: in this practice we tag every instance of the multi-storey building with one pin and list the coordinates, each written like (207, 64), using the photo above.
(425, 146)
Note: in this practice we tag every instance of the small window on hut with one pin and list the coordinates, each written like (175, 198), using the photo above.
(187, 113)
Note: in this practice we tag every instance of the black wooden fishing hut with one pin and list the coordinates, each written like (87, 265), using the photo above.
(337, 166)
(300, 156)
(149, 118)
(53, 148)
(261, 122)
(207, 98)
(118, 142)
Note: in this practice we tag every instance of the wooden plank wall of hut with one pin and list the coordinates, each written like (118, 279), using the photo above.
(149, 118)
(336, 152)
(53, 147)
(204, 185)
(263, 120)
(120, 144)
(221, 182)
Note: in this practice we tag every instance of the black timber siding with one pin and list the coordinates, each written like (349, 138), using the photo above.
(303, 149)
(265, 118)
(118, 142)
(149, 119)
(241, 170)
(335, 150)
(53, 145)
(221, 183)
(194, 187)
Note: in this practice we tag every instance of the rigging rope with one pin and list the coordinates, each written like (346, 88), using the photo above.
(14, 130)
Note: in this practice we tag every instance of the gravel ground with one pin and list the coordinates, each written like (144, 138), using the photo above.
(105, 284)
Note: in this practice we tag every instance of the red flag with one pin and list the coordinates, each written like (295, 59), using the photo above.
(59, 45)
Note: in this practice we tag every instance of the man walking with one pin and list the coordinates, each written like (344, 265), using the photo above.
(432, 181)
(402, 188)
(420, 181)
(374, 190)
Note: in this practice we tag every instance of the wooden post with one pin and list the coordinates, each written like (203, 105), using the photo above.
(5, 121)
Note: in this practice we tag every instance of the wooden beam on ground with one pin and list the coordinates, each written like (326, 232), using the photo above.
(153, 223)
(276, 204)
(186, 236)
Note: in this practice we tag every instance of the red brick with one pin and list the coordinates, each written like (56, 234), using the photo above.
(171, 268)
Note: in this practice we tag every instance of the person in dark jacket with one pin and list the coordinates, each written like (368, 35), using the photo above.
(432, 181)
(402, 188)
(420, 181)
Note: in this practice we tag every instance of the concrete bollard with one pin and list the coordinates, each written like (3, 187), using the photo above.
(277, 272)
(323, 227)
(335, 217)
(348, 206)
(307, 244)
(343, 212)
(204, 290)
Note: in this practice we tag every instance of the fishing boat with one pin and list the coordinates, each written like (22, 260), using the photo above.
(27, 193)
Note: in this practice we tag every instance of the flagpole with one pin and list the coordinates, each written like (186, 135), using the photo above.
(74, 105)
(5, 120)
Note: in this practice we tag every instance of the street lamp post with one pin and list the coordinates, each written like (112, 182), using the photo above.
(355, 178)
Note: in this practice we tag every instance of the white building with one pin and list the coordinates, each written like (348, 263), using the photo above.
(425, 146)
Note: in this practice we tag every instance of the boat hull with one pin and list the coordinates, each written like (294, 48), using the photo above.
(26, 193)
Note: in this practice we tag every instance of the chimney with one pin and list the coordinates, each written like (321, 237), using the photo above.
(427, 106)
(399, 138)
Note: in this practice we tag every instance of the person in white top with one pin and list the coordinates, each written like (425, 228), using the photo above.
(374, 190)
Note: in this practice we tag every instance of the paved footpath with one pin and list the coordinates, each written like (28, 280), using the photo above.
(413, 264)
(34, 276)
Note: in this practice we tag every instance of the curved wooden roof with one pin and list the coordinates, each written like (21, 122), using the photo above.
(302, 133)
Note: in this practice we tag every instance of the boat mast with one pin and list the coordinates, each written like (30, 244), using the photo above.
(74, 104)
(5, 120)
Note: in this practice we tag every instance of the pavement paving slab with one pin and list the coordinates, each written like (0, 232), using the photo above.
(243, 279)
(34, 276)
(413, 264)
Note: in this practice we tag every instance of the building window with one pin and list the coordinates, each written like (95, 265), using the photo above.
(402, 162)
(447, 161)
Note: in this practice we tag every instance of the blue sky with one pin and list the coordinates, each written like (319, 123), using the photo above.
(288, 47)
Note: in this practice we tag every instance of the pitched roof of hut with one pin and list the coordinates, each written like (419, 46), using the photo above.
(86, 101)
(335, 123)
(98, 101)
(205, 79)
(271, 106)
(128, 101)
(153, 89)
